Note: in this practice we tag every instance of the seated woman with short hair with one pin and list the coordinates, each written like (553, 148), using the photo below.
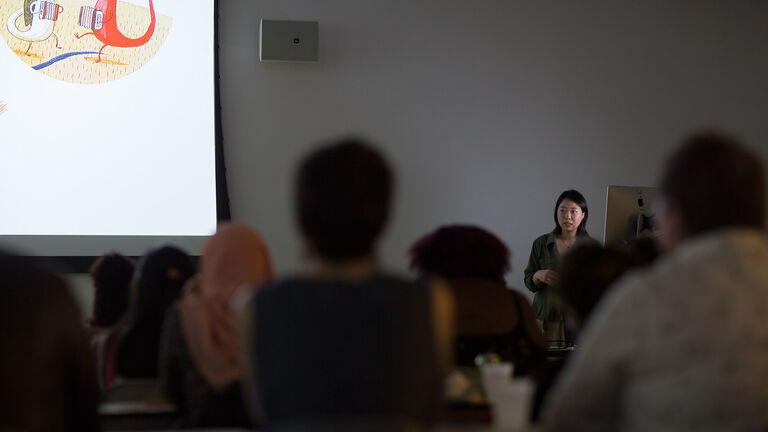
(489, 316)
(345, 346)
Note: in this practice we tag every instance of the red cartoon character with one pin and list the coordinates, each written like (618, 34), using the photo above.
(102, 20)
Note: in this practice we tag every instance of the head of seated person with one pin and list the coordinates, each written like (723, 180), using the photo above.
(47, 380)
(342, 201)
(158, 281)
(489, 316)
(461, 252)
(111, 274)
(586, 273)
(711, 183)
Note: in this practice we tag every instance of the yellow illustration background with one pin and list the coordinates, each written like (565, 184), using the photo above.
(115, 63)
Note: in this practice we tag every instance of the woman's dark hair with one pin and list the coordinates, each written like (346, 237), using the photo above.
(111, 274)
(579, 199)
(461, 251)
(160, 275)
(47, 380)
(342, 199)
(715, 182)
(586, 273)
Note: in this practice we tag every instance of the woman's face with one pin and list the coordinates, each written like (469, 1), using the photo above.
(569, 216)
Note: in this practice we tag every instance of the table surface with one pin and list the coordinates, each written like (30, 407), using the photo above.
(152, 409)
(438, 428)
(136, 408)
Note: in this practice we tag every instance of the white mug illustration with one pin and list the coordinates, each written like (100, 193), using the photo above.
(41, 18)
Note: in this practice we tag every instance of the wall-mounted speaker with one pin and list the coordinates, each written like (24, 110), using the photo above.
(288, 41)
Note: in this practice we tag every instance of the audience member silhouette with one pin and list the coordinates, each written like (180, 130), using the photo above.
(489, 316)
(643, 251)
(586, 274)
(345, 346)
(46, 373)
(159, 278)
(111, 274)
(201, 361)
(682, 346)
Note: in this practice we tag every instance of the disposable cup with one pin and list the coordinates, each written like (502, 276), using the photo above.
(495, 376)
(511, 405)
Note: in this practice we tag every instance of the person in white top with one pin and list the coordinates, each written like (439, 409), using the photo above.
(683, 346)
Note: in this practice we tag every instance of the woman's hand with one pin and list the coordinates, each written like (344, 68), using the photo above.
(549, 277)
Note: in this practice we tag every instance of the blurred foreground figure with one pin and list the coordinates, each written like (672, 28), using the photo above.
(345, 346)
(200, 363)
(111, 274)
(47, 382)
(489, 316)
(587, 272)
(131, 349)
(683, 345)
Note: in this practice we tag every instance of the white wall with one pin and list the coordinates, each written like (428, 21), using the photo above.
(487, 109)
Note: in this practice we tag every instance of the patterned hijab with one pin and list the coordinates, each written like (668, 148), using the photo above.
(234, 258)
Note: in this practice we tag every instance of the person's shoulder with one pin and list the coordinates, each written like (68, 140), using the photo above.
(543, 239)
(587, 239)
(285, 283)
(636, 291)
(654, 279)
(394, 279)
(276, 295)
(290, 285)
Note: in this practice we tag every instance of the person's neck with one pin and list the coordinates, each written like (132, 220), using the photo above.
(350, 269)
(567, 237)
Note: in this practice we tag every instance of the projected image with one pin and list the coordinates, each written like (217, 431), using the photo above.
(127, 162)
(84, 42)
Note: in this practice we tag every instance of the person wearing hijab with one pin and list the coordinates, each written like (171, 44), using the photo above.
(200, 363)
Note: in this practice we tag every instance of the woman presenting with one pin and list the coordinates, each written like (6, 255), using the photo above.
(571, 214)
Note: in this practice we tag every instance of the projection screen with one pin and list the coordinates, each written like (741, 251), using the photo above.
(107, 125)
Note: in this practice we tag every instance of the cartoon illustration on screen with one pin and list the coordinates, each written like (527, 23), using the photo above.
(102, 20)
(40, 17)
(95, 41)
